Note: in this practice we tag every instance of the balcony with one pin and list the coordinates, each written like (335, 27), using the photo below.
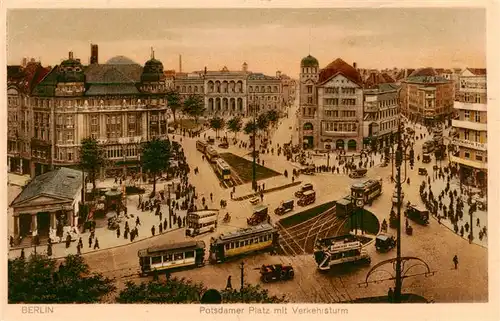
(469, 162)
(470, 144)
(469, 125)
(470, 106)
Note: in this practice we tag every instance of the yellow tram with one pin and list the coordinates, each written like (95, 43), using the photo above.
(223, 169)
(243, 241)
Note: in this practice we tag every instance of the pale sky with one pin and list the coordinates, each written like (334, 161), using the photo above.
(267, 39)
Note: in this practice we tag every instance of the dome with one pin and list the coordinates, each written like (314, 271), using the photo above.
(342, 67)
(121, 60)
(153, 71)
(70, 70)
(309, 61)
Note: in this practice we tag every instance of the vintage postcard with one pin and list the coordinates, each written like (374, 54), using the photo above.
(249, 160)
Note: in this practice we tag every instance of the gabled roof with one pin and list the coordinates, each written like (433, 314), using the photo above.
(376, 78)
(424, 72)
(125, 73)
(404, 73)
(478, 71)
(47, 86)
(60, 183)
(339, 66)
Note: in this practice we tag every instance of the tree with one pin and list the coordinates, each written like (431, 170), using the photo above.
(173, 290)
(194, 106)
(173, 101)
(39, 280)
(273, 116)
(251, 294)
(217, 123)
(234, 125)
(156, 157)
(91, 158)
(262, 122)
(250, 127)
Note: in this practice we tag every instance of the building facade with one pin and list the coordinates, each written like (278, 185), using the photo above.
(426, 97)
(120, 105)
(470, 128)
(228, 93)
(381, 112)
(331, 106)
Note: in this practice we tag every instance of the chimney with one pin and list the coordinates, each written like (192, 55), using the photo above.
(278, 74)
(354, 65)
(245, 67)
(25, 61)
(94, 54)
(205, 70)
(70, 55)
(180, 63)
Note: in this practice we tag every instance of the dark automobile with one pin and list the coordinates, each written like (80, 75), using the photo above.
(384, 242)
(276, 272)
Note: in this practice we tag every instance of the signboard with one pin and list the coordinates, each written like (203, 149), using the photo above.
(469, 144)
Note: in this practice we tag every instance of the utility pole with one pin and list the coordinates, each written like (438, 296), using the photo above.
(399, 161)
(242, 270)
(254, 166)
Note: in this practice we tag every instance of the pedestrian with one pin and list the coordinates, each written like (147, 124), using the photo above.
(90, 242)
(229, 286)
(477, 222)
(160, 228)
(118, 232)
(137, 221)
(390, 295)
(153, 230)
(211, 197)
(11, 241)
(22, 256)
(49, 249)
(96, 245)
(165, 224)
(80, 242)
(78, 249)
(455, 261)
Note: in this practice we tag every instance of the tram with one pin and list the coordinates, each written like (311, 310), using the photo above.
(243, 241)
(202, 221)
(338, 251)
(211, 154)
(201, 145)
(171, 256)
(367, 191)
(223, 169)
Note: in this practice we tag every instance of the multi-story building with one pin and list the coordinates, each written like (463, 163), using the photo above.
(331, 105)
(233, 93)
(426, 97)
(381, 110)
(121, 105)
(470, 128)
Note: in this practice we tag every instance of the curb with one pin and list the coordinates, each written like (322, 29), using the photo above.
(108, 248)
(242, 198)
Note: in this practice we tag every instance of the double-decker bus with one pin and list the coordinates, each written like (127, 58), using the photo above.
(243, 241)
(201, 145)
(211, 154)
(202, 221)
(171, 256)
(223, 169)
(365, 192)
(339, 250)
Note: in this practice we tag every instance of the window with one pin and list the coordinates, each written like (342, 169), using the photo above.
(156, 260)
(479, 158)
(167, 258)
(178, 256)
(69, 137)
(467, 155)
(309, 100)
(477, 117)
(309, 89)
(70, 156)
(466, 114)
(466, 134)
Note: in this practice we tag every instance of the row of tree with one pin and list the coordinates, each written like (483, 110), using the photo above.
(235, 124)
(192, 105)
(40, 279)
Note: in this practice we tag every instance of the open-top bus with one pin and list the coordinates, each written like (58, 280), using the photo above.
(202, 221)
(365, 192)
(243, 241)
(339, 250)
(171, 256)
(201, 145)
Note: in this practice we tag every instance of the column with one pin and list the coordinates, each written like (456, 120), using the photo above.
(52, 220)
(16, 226)
(34, 223)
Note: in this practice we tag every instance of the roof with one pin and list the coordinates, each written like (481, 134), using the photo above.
(383, 237)
(309, 61)
(258, 229)
(47, 86)
(112, 89)
(339, 66)
(259, 208)
(260, 76)
(427, 79)
(172, 246)
(404, 73)
(124, 73)
(28, 77)
(60, 183)
(377, 78)
(121, 60)
(424, 72)
(478, 71)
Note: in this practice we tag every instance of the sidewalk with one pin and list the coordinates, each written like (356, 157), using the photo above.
(108, 238)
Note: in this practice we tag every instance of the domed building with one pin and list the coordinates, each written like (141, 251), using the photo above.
(71, 71)
(153, 77)
(121, 60)
(331, 106)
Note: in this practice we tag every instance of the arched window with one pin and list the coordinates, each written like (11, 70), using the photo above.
(308, 126)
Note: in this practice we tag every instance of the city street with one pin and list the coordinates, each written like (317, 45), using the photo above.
(435, 244)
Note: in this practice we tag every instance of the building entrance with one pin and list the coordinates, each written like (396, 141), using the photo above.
(24, 225)
(43, 223)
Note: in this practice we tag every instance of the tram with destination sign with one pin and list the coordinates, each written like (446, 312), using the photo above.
(201, 146)
(223, 169)
(366, 192)
(339, 250)
(211, 154)
(171, 256)
(243, 241)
